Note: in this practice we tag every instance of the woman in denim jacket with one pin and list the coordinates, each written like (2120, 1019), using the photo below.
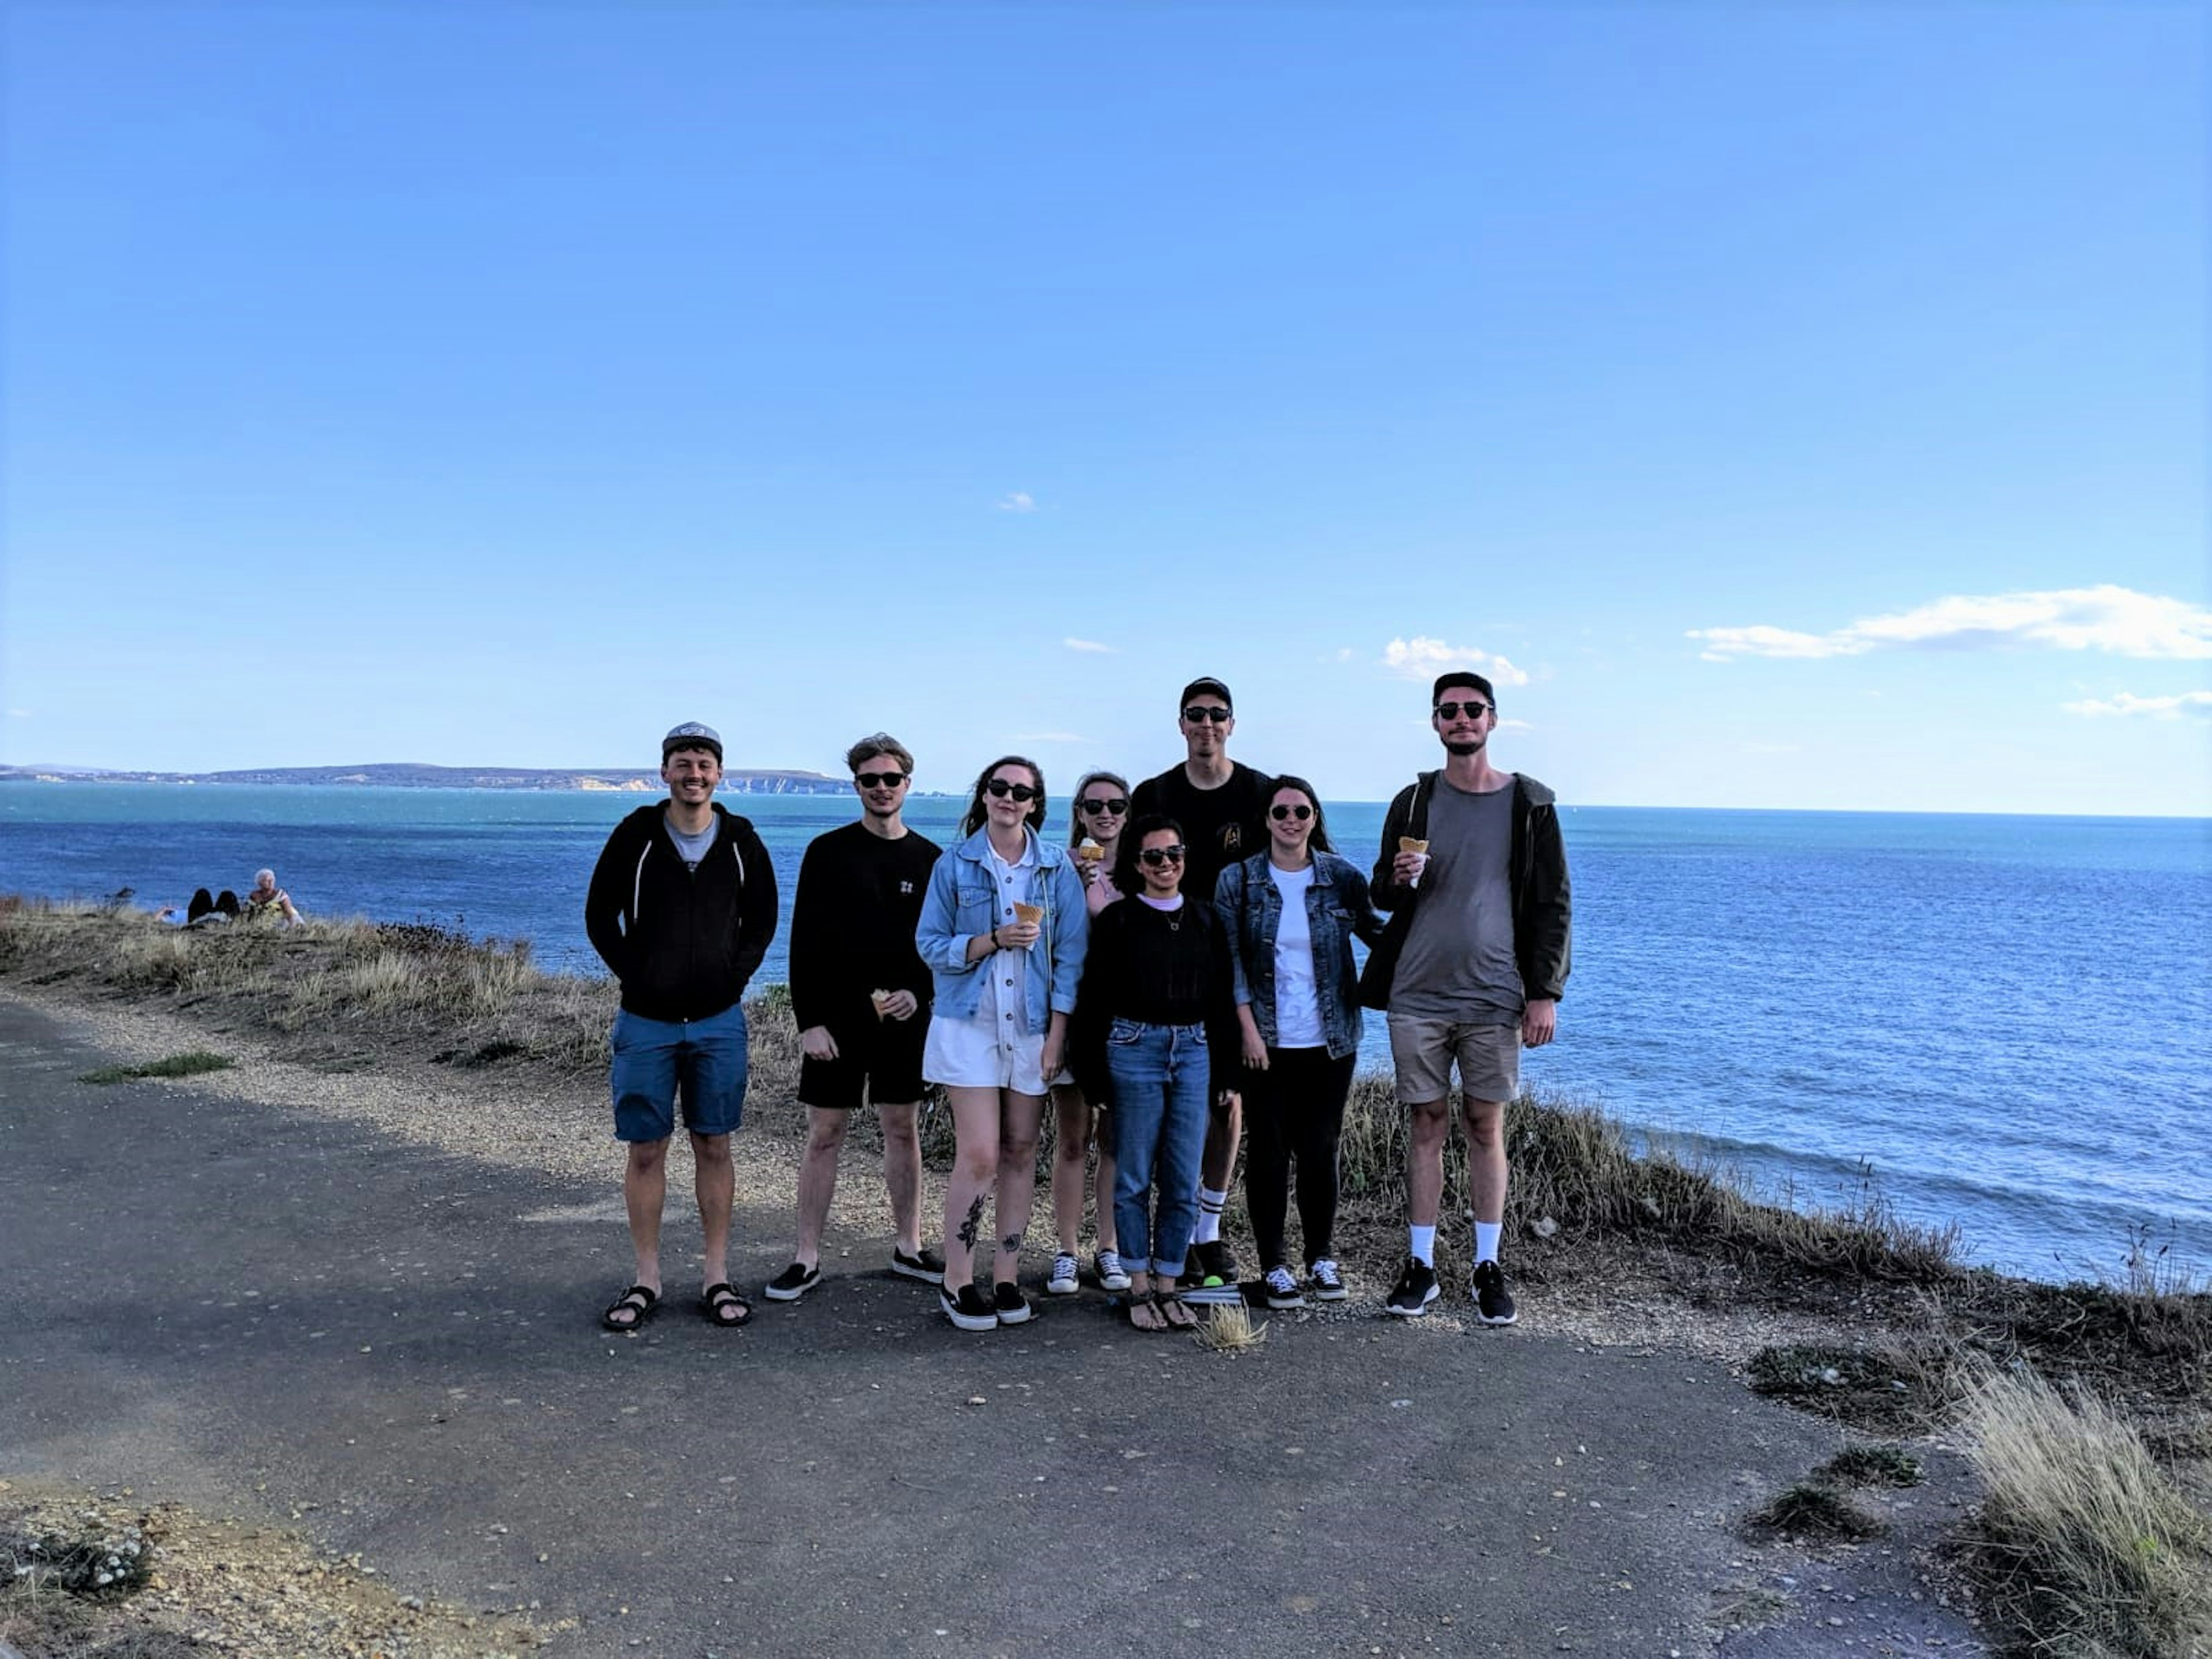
(1002, 929)
(1290, 914)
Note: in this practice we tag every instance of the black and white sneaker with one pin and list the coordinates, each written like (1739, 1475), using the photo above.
(1493, 1303)
(793, 1282)
(1210, 1264)
(1011, 1307)
(1416, 1288)
(1112, 1275)
(1064, 1281)
(1327, 1282)
(924, 1263)
(1282, 1289)
(970, 1310)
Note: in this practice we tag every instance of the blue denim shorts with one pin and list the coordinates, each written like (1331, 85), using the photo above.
(705, 1059)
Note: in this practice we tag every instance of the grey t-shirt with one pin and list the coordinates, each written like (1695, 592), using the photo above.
(1459, 963)
(694, 847)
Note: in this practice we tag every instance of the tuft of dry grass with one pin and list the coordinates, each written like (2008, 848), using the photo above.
(2083, 1548)
(1814, 1509)
(1872, 1465)
(193, 1062)
(1229, 1329)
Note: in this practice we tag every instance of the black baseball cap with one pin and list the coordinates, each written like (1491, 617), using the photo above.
(1462, 677)
(1207, 686)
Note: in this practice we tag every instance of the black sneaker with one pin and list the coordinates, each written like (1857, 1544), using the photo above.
(1282, 1290)
(1011, 1305)
(970, 1310)
(1210, 1264)
(1493, 1303)
(1327, 1281)
(793, 1282)
(924, 1263)
(1416, 1288)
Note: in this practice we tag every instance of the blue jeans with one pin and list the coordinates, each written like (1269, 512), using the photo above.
(1160, 1080)
(653, 1057)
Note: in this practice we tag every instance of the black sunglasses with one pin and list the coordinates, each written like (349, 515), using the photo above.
(1475, 711)
(1199, 712)
(1286, 810)
(1156, 856)
(879, 780)
(1116, 806)
(998, 789)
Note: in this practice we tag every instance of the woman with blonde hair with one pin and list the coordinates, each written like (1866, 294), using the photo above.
(1003, 928)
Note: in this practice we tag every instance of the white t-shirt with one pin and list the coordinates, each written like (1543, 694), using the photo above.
(1297, 1003)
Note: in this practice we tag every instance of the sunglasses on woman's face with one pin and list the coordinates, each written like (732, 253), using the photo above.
(879, 780)
(998, 789)
(1287, 810)
(1155, 856)
(1116, 807)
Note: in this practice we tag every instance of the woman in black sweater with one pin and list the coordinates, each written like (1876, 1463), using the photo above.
(1156, 993)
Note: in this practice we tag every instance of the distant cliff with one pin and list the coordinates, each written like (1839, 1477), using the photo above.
(404, 774)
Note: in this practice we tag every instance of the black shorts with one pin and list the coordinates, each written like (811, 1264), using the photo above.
(884, 1062)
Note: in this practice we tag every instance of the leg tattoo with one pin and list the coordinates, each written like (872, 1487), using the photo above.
(1011, 1243)
(972, 1226)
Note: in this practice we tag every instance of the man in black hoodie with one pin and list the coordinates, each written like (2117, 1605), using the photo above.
(681, 908)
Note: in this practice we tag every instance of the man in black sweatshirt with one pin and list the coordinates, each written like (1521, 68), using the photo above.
(861, 994)
(681, 908)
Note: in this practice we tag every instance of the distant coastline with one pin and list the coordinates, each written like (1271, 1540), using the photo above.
(407, 775)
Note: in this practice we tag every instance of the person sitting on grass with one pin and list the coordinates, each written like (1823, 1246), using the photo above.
(268, 896)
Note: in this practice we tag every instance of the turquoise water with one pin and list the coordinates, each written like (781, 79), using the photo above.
(2003, 1019)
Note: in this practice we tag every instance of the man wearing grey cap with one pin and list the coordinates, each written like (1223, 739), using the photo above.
(681, 908)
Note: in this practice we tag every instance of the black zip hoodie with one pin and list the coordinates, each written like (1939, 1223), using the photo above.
(682, 942)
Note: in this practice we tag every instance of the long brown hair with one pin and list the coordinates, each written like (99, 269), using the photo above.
(976, 817)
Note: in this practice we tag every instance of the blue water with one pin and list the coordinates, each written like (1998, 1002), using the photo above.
(2003, 1019)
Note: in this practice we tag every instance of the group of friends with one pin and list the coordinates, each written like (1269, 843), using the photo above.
(1174, 970)
(264, 899)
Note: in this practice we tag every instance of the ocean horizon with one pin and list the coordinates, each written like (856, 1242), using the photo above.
(1996, 1021)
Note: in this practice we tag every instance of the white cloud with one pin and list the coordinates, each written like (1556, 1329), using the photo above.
(2199, 703)
(1515, 725)
(1049, 736)
(1020, 502)
(2117, 620)
(1074, 644)
(1422, 658)
(1773, 749)
(19, 714)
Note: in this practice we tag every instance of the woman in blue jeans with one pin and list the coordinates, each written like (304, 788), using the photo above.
(1156, 992)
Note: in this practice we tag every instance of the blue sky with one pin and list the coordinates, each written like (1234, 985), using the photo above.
(1792, 406)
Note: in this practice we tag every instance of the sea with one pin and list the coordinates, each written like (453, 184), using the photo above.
(2002, 1024)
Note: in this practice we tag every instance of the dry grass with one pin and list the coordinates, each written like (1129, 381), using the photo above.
(2085, 1548)
(1816, 1511)
(1229, 1329)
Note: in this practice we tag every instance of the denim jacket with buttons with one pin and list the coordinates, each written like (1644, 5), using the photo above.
(1251, 908)
(964, 900)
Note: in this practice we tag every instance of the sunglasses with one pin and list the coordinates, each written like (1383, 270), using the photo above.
(1198, 713)
(998, 789)
(1475, 711)
(1155, 856)
(1286, 810)
(1116, 807)
(879, 780)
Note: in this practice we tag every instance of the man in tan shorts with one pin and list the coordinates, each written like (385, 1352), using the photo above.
(1472, 966)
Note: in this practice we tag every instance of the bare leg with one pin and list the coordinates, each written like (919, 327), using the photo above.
(1110, 1231)
(1485, 1120)
(1225, 1129)
(1430, 1124)
(645, 1186)
(818, 1177)
(974, 1161)
(716, 1180)
(1070, 1163)
(1017, 1145)
(902, 1127)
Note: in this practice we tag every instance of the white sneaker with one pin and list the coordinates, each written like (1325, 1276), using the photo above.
(1063, 1281)
(1111, 1274)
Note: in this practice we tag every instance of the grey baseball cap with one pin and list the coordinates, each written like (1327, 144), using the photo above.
(692, 734)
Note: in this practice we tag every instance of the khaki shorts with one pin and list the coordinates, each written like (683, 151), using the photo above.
(1424, 1051)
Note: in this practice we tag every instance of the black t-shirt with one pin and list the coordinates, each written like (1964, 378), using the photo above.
(1221, 827)
(852, 924)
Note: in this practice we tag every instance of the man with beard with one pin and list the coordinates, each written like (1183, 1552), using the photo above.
(1471, 971)
(681, 908)
(1222, 805)
(860, 993)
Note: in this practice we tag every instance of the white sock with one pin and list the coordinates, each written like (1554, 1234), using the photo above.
(1485, 1239)
(1425, 1245)
(1210, 1205)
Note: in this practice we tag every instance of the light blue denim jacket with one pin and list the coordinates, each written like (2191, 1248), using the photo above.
(1251, 911)
(963, 901)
